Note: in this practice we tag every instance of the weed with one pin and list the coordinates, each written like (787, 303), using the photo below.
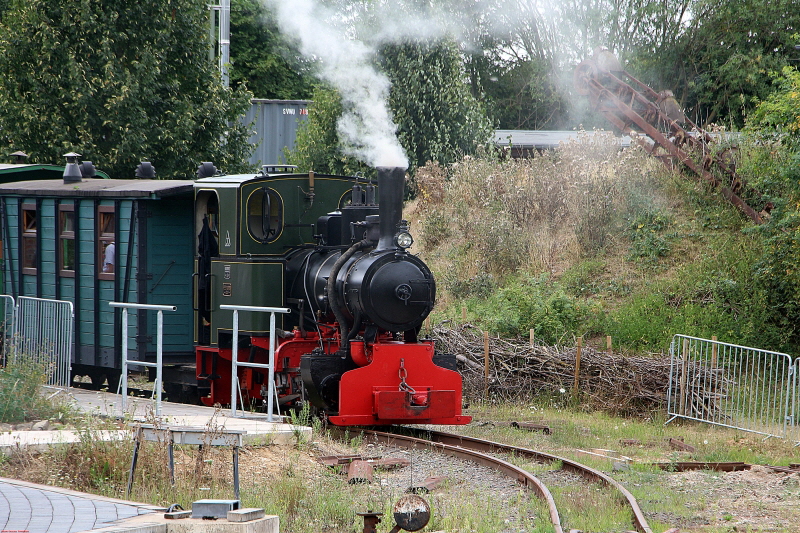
(21, 398)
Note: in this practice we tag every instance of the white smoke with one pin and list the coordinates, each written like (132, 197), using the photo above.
(346, 53)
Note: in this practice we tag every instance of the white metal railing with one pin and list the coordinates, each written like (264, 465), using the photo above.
(235, 363)
(158, 365)
(732, 386)
(43, 333)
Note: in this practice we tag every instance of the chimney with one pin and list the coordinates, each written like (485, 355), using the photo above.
(72, 173)
(390, 204)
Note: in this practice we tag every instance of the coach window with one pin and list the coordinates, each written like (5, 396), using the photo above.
(29, 237)
(66, 241)
(106, 247)
(265, 215)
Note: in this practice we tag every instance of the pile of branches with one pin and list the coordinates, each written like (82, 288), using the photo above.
(519, 370)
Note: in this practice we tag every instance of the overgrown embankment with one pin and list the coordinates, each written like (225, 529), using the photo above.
(591, 240)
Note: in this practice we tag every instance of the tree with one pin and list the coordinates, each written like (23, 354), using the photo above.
(119, 82)
(263, 58)
(437, 117)
(771, 164)
(720, 63)
(317, 146)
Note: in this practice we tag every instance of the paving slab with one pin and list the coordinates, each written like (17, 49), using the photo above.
(36, 508)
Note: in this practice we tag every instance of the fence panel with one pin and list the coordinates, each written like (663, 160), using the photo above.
(729, 385)
(43, 333)
(793, 424)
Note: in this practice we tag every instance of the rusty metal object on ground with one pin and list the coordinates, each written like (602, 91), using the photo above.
(633, 107)
(531, 426)
(371, 521)
(678, 444)
(428, 485)
(359, 472)
(333, 460)
(411, 512)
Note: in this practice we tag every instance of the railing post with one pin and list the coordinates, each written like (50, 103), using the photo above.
(234, 362)
(124, 377)
(159, 364)
(159, 359)
(271, 385)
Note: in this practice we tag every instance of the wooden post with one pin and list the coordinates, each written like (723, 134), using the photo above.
(531, 337)
(486, 363)
(464, 313)
(714, 352)
(608, 344)
(578, 350)
(684, 372)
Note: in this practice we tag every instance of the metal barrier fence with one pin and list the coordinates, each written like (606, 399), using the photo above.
(43, 334)
(235, 363)
(732, 386)
(158, 365)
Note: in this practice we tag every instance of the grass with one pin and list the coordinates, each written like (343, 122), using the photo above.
(21, 399)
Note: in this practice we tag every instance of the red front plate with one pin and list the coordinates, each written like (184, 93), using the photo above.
(372, 395)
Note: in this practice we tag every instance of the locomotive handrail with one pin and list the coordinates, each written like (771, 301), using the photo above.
(235, 353)
(158, 365)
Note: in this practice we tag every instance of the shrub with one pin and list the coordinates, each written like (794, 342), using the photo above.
(21, 398)
(533, 303)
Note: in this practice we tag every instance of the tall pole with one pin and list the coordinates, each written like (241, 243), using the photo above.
(224, 40)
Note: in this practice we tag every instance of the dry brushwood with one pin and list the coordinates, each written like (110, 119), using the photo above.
(632, 385)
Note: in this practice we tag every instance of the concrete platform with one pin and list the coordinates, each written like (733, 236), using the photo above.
(257, 430)
(42, 509)
(30, 508)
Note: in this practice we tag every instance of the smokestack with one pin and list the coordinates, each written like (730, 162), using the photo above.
(390, 203)
(72, 173)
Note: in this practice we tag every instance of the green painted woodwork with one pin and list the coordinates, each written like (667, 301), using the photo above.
(239, 282)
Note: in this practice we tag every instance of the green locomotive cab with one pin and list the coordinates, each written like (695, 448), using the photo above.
(247, 225)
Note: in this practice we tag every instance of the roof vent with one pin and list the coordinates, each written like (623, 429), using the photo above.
(87, 169)
(206, 169)
(146, 171)
(19, 157)
(72, 174)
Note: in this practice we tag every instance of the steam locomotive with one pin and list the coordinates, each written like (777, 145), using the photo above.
(323, 247)
(319, 245)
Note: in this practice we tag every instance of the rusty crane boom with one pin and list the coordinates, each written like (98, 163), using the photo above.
(656, 122)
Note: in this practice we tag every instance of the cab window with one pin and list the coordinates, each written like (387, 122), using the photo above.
(265, 215)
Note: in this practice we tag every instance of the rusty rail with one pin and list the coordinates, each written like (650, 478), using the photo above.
(477, 450)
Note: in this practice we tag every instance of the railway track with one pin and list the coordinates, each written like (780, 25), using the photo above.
(480, 451)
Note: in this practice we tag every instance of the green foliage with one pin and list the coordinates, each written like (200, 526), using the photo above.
(118, 82)
(771, 166)
(262, 58)
(645, 232)
(437, 117)
(715, 296)
(719, 65)
(532, 303)
(317, 144)
(21, 397)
